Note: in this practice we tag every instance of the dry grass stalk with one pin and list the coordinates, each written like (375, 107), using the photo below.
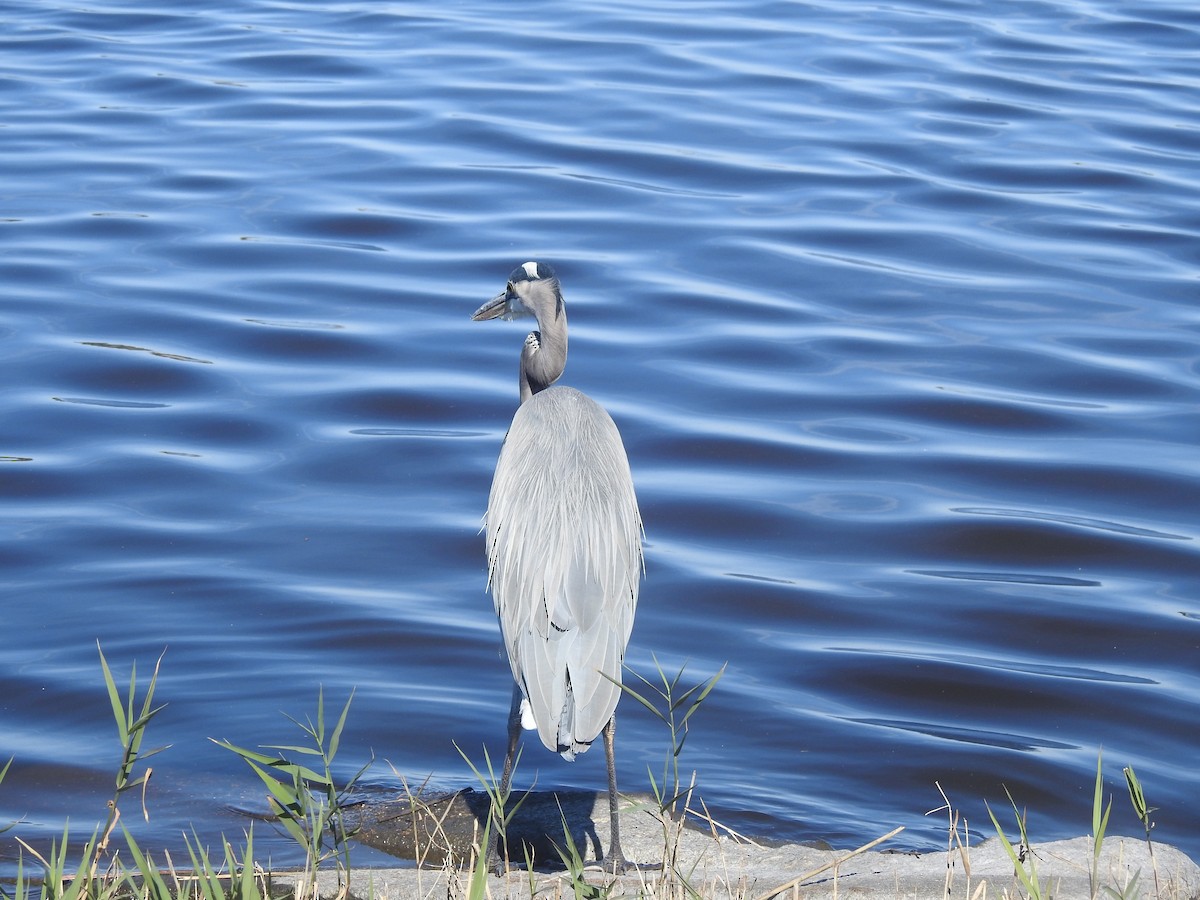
(832, 864)
(956, 843)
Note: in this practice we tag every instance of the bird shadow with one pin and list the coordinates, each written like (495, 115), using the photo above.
(436, 829)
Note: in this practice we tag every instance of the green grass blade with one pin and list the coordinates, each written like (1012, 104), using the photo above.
(642, 700)
(247, 883)
(319, 732)
(1136, 796)
(207, 882)
(345, 791)
(153, 886)
(1027, 877)
(292, 748)
(251, 755)
(1099, 820)
(335, 738)
(114, 697)
(275, 763)
(639, 676)
(488, 782)
(143, 720)
(703, 695)
(291, 824)
(1018, 867)
(282, 793)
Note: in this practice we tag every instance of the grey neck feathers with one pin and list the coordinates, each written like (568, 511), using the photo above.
(544, 355)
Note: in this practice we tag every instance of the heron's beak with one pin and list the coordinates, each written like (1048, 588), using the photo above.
(496, 308)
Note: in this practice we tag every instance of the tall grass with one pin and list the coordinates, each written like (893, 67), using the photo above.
(492, 852)
(98, 872)
(1142, 811)
(674, 707)
(311, 808)
(1099, 825)
(306, 800)
(1024, 858)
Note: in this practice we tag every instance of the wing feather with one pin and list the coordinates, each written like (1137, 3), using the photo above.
(565, 562)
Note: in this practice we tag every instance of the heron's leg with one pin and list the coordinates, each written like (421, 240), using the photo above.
(514, 737)
(615, 859)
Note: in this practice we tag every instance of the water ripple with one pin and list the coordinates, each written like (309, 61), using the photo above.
(1023, 743)
(120, 404)
(1009, 577)
(1071, 520)
(895, 307)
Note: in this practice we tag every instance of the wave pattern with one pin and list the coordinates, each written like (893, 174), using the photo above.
(895, 307)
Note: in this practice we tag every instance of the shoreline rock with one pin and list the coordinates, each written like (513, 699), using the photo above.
(725, 867)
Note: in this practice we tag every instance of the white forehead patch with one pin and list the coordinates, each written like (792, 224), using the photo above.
(530, 269)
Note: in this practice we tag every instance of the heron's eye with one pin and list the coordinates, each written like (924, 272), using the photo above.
(510, 287)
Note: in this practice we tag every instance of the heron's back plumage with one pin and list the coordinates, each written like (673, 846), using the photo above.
(565, 562)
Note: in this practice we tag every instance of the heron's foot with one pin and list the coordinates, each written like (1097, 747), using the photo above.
(497, 865)
(615, 862)
(495, 862)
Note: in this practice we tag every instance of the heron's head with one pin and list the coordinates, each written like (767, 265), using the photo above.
(532, 290)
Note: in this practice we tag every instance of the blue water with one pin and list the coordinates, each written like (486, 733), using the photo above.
(896, 305)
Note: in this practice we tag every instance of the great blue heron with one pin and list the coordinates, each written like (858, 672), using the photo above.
(563, 543)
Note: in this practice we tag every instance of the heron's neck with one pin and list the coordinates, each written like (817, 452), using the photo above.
(544, 355)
